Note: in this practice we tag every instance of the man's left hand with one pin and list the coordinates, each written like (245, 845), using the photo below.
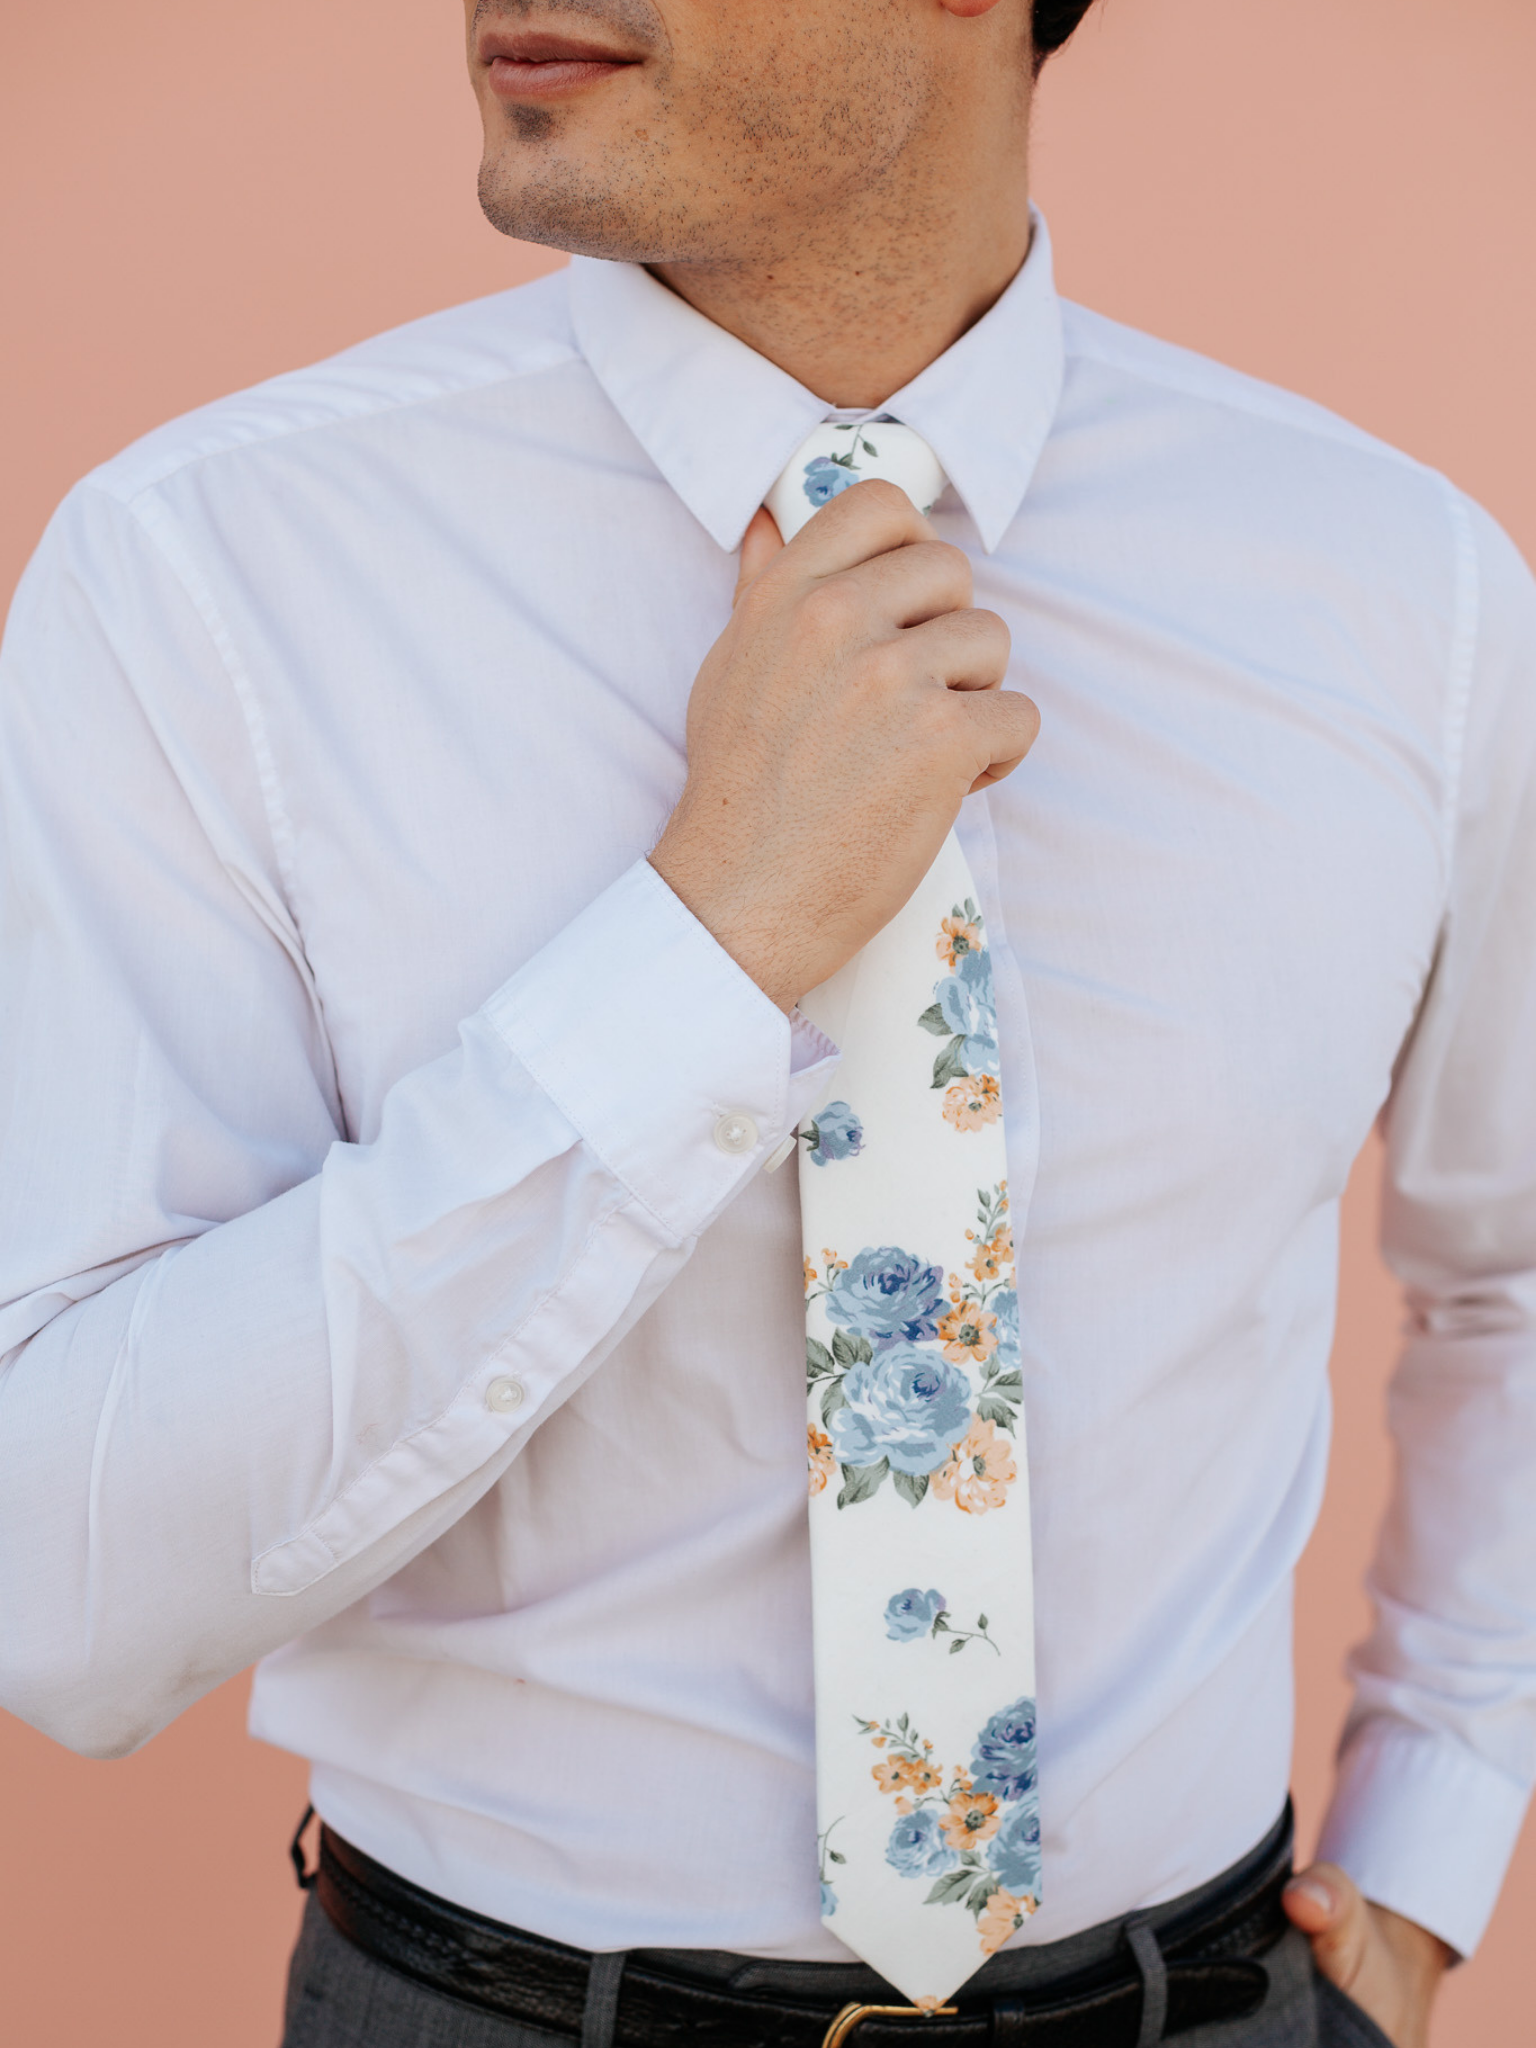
(1390, 1967)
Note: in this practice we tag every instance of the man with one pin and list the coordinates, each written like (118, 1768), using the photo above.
(415, 858)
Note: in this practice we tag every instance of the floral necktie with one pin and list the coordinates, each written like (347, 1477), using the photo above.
(927, 1808)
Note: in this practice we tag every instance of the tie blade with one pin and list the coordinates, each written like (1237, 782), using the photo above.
(920, 1541)
(924, 1965)
(923, 1610)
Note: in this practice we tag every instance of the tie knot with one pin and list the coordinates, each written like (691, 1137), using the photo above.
(837, 454)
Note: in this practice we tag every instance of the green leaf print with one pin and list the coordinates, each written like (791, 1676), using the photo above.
(850, 1350)
(949, 1066)
(912, 1486)
(953, 1886)
(818, 1361)
(862, 1482)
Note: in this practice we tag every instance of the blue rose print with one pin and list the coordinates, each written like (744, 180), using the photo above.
(835, 1134)
(907, 1405)
(1014, 1851)
(1005, 1306)
(911, 1614)
(828, 1901)
(888, 1296)
(824, 478)
(1003, 1760)
(917, 1848)
(969, 1008)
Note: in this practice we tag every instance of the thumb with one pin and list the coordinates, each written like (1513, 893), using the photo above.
(759, 544)
(1329, 1909)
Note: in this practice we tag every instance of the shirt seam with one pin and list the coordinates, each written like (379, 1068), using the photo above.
(158, 529)
(1331, 427)
(379, 409)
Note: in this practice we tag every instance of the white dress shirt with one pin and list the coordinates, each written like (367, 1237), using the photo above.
(386, 1292)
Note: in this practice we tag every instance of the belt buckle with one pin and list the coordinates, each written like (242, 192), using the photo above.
(852, 2016)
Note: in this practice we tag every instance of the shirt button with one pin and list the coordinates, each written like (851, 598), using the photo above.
(736, 1132)
(504, 1394)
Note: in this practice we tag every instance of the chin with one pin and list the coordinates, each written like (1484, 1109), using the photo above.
(560, 207)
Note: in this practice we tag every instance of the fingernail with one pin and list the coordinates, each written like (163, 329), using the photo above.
(1314, 1889)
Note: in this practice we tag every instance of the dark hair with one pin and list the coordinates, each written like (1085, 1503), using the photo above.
(1054, 21)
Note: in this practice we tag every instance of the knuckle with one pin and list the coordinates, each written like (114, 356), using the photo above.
(988, 637)
(833, 609)
(1023, 721)
(939, 569)
(956, 561)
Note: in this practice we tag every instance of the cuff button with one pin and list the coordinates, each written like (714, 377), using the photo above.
(505, 1394)
(736, 1132)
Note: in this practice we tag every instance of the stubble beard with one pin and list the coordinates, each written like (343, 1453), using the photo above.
(737, 167)
(624, 214)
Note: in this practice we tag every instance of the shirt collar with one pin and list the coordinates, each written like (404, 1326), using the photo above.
(720, 421)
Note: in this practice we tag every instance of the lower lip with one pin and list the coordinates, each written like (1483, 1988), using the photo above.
(514, 80)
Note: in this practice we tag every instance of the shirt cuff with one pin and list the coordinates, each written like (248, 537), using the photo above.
(666, 1056)
(1424, 1827)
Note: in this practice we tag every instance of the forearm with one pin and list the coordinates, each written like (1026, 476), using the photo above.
(252, 1430)
(248, 1432)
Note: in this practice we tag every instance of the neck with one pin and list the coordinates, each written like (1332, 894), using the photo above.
(855, 309)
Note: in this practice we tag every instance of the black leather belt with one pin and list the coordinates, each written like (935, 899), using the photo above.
(1200, 1964)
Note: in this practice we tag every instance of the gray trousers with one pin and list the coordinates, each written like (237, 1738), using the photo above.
(340, 1998)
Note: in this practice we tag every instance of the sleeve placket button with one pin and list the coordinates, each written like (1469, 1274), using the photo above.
(736, 1132)
(504, 1394)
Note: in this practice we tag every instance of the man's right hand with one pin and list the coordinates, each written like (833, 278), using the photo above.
(850, 705)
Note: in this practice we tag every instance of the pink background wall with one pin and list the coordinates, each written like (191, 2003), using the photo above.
(1337, 194)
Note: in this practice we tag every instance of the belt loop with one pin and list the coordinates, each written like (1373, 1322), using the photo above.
(1143, 1944)
(305, 1877)
(1010, 2023)
(601, 2013)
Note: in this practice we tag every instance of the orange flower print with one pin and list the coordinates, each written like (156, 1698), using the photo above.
(810, 1275)
(992, 1256)
(1003, 1915)
(924, 1777)
(957, 937)
(968, 1332)
(979, 1473)
(890, 1774)
(822, 1463)
(975, 1101)
(972, 1817)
